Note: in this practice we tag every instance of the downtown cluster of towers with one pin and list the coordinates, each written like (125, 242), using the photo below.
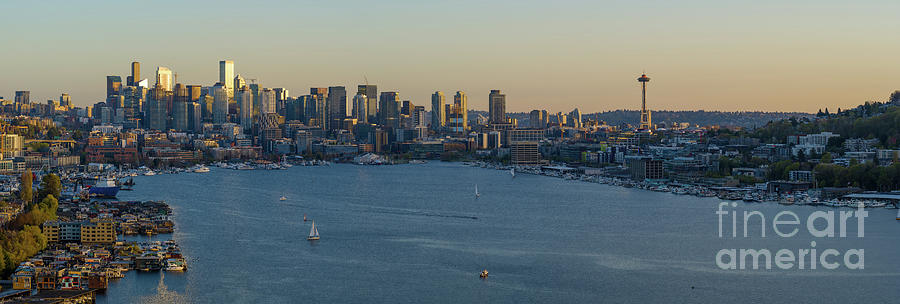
(171, 105)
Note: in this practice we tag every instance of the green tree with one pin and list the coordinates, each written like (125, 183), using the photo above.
(50, 185)
(826, 158)
(25, 186)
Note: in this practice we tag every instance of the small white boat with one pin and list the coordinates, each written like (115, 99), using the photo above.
(477, 194)
(150, 173)
(202, 169)
(484, 274)
(283, 198)
(313, 232)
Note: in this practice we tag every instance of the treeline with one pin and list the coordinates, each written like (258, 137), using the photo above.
(866, 176)
(23, 238)
(871, 120)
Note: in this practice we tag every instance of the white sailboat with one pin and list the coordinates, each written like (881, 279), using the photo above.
(898, 214)
(512, 171)
(476, 191)
(313, 232)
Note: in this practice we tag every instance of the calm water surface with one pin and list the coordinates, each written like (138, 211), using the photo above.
(416, 234)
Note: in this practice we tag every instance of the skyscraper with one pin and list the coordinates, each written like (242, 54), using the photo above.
(536, 119)
(497, 107)
(645, 114)
(220, 104)
(113, 85)
(267, 101)
(226, 76)
(23, 97)
(389, 109)
(164, 78)
(133, 104)
(316, 108)
(360, 106)
(337, 107)
(281, 95)
(156, 107)
(371, 92)
(457, 118)
(245, 96)
(438, 116)
(181, 98)
(135, 74)
(65, 100)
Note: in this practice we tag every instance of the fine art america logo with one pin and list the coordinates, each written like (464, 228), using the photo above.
(787, 224)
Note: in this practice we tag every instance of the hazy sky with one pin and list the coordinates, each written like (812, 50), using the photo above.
(554, 55)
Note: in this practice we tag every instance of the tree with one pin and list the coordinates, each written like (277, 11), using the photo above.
(25, 186)
(826, 158)
(50, 185)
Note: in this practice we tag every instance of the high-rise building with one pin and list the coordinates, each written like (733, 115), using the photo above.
(181, 98)
(281, 95)
(316, 107)
(164, 78)
(113, 85)
(371, 92)
(645, 114)
(220, 104)
(133, 104)
(457, 117)
(360, 106)
(337, 107)
(195, 119)
(438, 116)
(497, 107)
(267, 101)
(389, 109)
(135, 74)
(536, 119)
(245, 97)
(156, 107)
(226, 76)
(23, 97)
(239, 83)
(65, 100)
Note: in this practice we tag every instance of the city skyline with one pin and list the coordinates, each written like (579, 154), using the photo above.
(705, 55)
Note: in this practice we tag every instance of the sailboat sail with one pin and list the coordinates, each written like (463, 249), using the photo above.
(313, 232)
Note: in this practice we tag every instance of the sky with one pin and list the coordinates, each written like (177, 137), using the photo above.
(553, 55)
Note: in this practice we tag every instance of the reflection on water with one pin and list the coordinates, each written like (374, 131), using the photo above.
(163, 294)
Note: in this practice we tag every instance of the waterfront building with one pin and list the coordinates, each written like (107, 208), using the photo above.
(457, 116)
(371, 93)
(87, 232)
(497, 107)
(644, 167)
(337, 107)
(525, 153)
(226, 76)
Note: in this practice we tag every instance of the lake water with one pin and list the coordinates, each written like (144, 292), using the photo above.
(417, 234)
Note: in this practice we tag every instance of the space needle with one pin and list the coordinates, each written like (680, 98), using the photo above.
(645, 114)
